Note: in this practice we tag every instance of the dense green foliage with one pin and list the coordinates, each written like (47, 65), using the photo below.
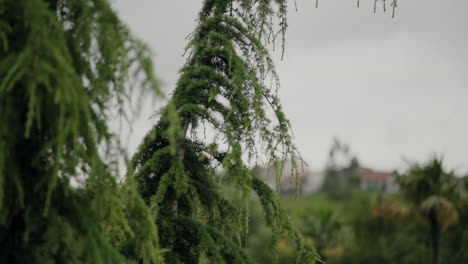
(69, 66)
(373, 227)
(66, 66)
(223, 87)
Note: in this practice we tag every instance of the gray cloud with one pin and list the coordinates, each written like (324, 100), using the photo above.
(392, 88)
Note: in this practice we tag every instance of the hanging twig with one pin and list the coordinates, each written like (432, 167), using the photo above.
(394, 5)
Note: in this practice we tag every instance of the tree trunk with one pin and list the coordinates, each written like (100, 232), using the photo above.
(181, 152)
(435, 237)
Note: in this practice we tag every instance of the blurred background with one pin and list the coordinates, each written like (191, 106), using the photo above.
(378, 108)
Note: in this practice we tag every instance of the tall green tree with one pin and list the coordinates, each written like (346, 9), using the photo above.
(432, 190)
(223, 86)
(65, 67)
(342, 172)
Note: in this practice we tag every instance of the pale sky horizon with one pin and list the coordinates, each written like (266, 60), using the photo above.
(393, 89)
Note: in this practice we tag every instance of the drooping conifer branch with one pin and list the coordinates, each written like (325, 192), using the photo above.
(65, 66)
(224, 85)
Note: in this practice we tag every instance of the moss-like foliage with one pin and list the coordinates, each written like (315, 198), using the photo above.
(65, 67)
(225, 85)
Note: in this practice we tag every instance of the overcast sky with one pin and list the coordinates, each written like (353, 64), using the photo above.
(393, 89)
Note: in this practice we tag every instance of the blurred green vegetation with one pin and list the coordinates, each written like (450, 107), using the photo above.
(376, 227)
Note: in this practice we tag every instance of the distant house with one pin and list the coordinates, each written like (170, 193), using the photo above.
(379, 181)
(309, 181)
(362, 178)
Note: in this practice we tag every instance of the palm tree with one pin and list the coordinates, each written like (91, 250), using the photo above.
(432, 191)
